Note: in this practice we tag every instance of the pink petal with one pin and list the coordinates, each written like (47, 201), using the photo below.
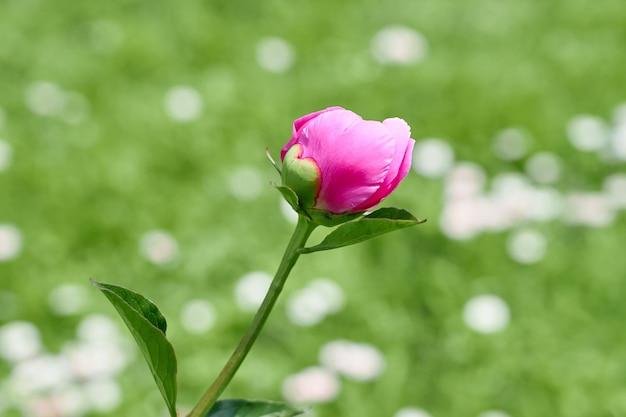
(299, 123)
(400, 165)
(353, 154)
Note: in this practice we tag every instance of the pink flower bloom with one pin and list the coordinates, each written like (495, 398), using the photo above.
(338, 162)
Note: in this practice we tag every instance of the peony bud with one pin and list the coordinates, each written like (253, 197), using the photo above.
(340, 163)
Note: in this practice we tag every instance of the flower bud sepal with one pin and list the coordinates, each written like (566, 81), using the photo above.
(315, 216)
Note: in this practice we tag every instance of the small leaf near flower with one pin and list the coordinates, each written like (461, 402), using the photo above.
(245, 408)
(377, 223)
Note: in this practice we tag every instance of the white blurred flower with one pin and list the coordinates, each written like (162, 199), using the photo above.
(103, 395)
(159, 247)
(251, 289)
(358, 361)
(411, 412)
(544, 167)
(67, 299)
(493, 413)
(486, 314)
(40, 373)
(45, 98)
(615, 190)
(462, 219)
(10, 242)
(245, 183)
(96, 360)
(275, 54)
(98, 328)
(527, 246)
(183, 103)
(19, 340)
(287, 211)
(399, 45)
(311, 304)
(312, 385)
(465, 180)
(618, 140)
(510, 144)
(432, 157)
(589, 209)
(587, 133)
(198, 316)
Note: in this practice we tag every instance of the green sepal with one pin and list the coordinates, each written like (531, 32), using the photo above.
(319, 217)
(269, 156)
(377, 223)
(147, 325)
(245, 408)
(329, 219)
(302, 175)
(291, 198)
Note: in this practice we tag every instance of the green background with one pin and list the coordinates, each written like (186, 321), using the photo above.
(84, 190)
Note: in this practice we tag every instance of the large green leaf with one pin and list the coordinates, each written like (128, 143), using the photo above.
(245, 408)
(147, 325)
(379, 222)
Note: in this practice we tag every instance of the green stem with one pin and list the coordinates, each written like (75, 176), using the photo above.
(298, 240)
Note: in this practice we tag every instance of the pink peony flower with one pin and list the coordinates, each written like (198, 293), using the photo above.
(338, 162)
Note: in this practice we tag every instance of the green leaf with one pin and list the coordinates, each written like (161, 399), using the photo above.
(245, 408)
(138, 302)
(379, 222)
(147, 325)
(328, 219)
(290, 197)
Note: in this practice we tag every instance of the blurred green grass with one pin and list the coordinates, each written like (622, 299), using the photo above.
(84, 193)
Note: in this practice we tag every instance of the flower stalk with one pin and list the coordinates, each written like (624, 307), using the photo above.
(303, 230)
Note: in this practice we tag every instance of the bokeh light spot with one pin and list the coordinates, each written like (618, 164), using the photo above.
(411, 412)
(311, 385)
(486, 313)
(45, 98)
(527, 246)
(510, 144)
(10, 242)
(251, 289)
(432, 158)
(288, 212)
(589, 209)
(104, 395)
(159, 247)
(67, 299)
(245, 183)
(357, 361)
(544, 167)
(399, 45)
(275, 54)
(618, 141)
(465, 180)
(198, 316)
(19, 340)
(311, 304)
(587, 133)
(183, 103)
(615, 190)
(493, 413)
